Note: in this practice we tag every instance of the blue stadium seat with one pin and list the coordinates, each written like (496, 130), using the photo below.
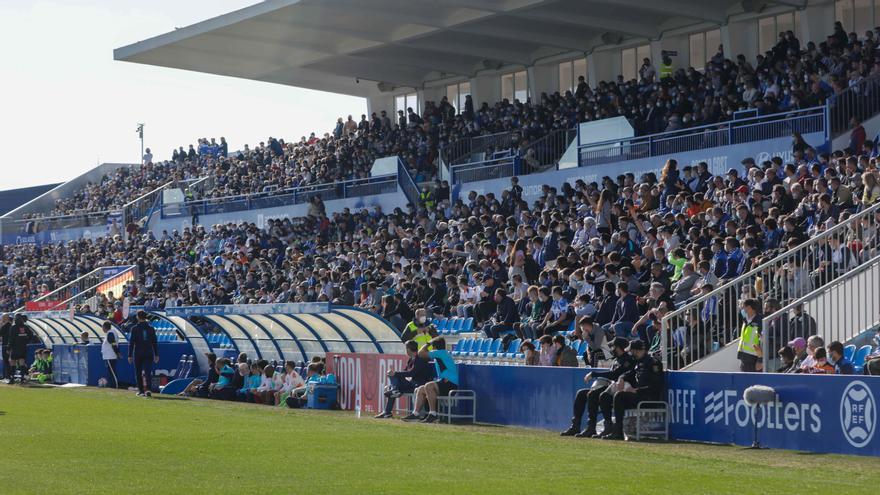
(849, 352)
(494, 347)
(457, 325)
(859, 359)
(513, 348)
(468, 325)
(441, 324)
(462, 346)
(479, 345)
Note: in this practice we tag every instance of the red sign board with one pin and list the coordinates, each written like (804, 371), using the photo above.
(362, 378)
(43, 305)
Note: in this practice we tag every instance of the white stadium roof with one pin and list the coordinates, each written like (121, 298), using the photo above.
(347, 46)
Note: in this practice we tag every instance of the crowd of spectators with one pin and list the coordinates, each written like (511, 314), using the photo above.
(790, 76)
(621, 253)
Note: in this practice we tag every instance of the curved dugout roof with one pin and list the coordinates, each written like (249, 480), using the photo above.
(67, 330)
(299, 337)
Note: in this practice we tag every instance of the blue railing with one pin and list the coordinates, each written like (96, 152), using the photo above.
(285, 197)
(406, 183)
(494, 168)
(707, 136)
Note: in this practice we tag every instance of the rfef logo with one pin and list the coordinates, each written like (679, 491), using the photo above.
(858, 414)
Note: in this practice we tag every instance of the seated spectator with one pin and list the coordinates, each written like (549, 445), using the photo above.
(416, 373)
(225, 387)
(200, 388)
(560, 316)
(786, 354)
(536, 311)
(253, 375)
(530, 355)
(799, 346)
(547, 354)
(41, 369)
(809, 361)
(597, 341)
(626, 313)
(565, 355)
(265, 393)
(820, 363)
(842, 366)
(589, 398)
(505, 316)
(446, 373)
(292, 380)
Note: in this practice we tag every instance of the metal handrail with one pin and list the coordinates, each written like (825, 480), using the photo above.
(860, 100)
(867, 315)
(293, 190)
(75, 284)
(767, 273)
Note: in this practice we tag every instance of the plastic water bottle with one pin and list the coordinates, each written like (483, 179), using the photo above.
(357, 406)
(715, 346)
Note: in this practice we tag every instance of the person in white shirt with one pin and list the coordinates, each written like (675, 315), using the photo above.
(266, 391)
(292, 380)
(110, 353)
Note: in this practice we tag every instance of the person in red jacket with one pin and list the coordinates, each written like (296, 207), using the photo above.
(857, 137)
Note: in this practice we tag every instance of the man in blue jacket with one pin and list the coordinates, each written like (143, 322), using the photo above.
(626, 312)
(417, 373)
(143, 351)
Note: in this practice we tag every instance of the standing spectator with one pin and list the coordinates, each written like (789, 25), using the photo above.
(143, 352)
(110, 353)
(749, 350)
(857, 137)
(19, 338)
(5, 338)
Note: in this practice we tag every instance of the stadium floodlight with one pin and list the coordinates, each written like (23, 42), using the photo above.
(140, 131)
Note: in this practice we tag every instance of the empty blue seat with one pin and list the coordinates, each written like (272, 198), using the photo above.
(513, 348)
(441, 324)
(859, 359)
(463, 345)
(479, 345)
(468, 325)
(494, 347)
(849, 352)
(457, 325)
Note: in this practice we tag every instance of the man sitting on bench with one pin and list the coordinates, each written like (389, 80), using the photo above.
(417, 373)
(446, 381)
(643, 382)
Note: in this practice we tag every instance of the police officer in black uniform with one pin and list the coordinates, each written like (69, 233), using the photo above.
(589, 398)
(646, 380)
(19, 338)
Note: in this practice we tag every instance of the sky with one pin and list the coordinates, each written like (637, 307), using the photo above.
(66, 105)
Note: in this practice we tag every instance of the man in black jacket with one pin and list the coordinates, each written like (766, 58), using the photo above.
(5, 325)
(417, 373)
(143, 351)
(505, 315)
(643, 382)
(590, 398)
(19, 338)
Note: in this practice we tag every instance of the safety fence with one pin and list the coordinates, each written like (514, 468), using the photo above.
(860, 100)
(707, 323)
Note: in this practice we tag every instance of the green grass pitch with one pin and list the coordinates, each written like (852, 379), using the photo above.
(58, 441)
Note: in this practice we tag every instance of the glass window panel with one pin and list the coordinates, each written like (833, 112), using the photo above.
(784, 22)
(400, 103)
(323, 330)
(862, 16)
(579, 68)
(507, 86)
(347, 327)
(843, 13)
(521, 86)
(565, 77)
(642, 53)
(713, 39)
(379, 330)
(698, 51)
(290, 351)
(452, 95)
(628, 63)
(464, 90)
(766, 34)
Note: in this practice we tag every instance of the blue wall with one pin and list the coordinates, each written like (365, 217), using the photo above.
(833, 414)
(75, 363)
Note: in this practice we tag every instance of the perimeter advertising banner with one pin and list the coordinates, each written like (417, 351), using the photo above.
(817, 413)
(362, 378)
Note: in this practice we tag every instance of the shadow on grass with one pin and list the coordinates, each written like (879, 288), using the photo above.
(169, 397)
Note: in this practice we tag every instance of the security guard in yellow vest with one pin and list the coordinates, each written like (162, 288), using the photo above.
(420, 321)
(749, 351)
(665, 67)
(426, 198)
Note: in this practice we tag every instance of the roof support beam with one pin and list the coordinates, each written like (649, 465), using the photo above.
(546, 39)
(693, 10)
(458, 47)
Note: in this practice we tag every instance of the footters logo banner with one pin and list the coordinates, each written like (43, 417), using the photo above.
(835, 414)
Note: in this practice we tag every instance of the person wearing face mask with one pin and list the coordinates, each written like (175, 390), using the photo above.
(418, 323)
(749, 351)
